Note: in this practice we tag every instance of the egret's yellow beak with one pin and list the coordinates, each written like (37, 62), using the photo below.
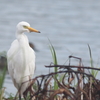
(33, 30)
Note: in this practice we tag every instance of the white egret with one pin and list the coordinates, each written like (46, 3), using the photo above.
(21, 58)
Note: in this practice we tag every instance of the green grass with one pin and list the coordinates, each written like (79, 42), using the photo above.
(93, 72)
(2, 78)
(53, 52)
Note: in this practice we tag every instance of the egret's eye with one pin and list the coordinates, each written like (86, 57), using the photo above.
(24, 26)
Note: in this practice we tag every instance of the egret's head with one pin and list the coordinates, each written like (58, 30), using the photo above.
(25, 27)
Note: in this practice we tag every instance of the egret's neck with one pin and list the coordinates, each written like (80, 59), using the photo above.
(22, 38)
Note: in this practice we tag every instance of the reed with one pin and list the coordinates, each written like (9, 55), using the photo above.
(53, 52)
(2, 78)
(93, 72)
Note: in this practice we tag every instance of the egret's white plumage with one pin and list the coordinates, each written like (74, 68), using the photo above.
(21, 58)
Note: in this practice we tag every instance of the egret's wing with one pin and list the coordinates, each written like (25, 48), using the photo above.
(10, 54)
(21, 63)
(31, 65)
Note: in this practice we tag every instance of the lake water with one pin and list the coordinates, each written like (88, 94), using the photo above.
(69, 24)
